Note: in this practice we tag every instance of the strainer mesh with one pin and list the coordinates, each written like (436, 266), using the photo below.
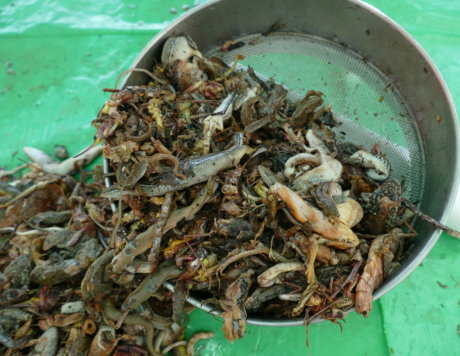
(369, 107)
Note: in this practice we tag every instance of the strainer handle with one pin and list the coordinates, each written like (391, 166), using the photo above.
(454, 219)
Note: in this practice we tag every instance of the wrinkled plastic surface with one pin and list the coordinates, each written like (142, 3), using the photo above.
(57, 55)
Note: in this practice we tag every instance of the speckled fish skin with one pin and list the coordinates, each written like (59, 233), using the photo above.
(202, 167)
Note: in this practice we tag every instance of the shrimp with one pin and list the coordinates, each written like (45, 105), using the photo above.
(338, 233)
(381, 253)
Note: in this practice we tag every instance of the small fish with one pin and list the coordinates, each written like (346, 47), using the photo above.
(199, 169)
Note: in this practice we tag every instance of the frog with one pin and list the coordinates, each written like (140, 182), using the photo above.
(383, 208)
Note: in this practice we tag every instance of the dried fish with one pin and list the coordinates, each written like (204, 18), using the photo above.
(149, 238)
(235, 257)
(111, 313)
(50, 218)
(203, 168)
(56, 273)
(268, 277)
(95, 283)
(10, 343)
(261, 295)
(18, 271)
(28, 191)
(178, 304)
(151, 284)
(48, 344)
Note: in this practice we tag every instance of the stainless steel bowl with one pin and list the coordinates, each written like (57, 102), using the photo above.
(370, 54)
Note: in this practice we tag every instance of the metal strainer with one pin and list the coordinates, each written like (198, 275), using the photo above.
(380, 83)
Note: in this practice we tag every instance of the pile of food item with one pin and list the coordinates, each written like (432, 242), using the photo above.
(219, 186)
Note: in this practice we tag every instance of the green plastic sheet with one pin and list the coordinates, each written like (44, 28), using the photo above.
(57, 55)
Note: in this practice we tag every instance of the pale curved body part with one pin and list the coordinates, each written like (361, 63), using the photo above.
(326, 168)
(188, 212)
(65, 167)
(350, 212)
(378, 167)
(297, 160)
(329, 170)
(316, 143)
(269, 276)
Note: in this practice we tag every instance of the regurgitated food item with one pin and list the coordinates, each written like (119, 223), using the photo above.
(222, 186)
(260, 194)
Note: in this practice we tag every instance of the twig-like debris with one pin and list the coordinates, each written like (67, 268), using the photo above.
(29, 191)
(158, 232)
(150, 285)
(12, 171)
(111, 313)
(430, 220)
(257, 251)
(350, 277)
(139, 70)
